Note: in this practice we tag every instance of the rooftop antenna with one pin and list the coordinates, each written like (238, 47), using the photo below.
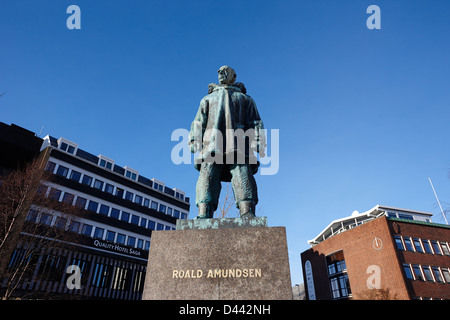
(438, 201)
(39, 135)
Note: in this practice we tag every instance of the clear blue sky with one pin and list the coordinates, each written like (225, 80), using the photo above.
(363, 114)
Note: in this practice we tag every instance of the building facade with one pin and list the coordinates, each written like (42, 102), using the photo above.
(118, 209)
(384, 253)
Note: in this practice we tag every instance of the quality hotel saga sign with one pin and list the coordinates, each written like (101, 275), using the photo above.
(217, 273)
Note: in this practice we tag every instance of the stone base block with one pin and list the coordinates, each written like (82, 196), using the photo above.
(241, 263)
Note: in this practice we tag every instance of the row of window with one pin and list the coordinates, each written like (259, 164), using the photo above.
(87, 229)
(114, 190)
(422, 245)
(426, 273)
(102, 209)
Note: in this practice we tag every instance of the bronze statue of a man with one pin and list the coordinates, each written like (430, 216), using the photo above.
(226, 132)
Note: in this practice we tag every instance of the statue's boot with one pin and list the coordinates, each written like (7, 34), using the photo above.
(204, 211)
(246, 209)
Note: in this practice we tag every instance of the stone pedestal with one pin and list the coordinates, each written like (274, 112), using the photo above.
(219, 259)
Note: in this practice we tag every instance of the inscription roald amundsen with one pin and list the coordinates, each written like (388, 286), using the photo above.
(218, 273)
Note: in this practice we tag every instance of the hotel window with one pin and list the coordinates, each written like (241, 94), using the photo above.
(115, 213)
(408, 244)
(104, 210)
(147, 245)
(138, 199)
(159, 226)
(110, 235)
(109, 188)
(129, 195)
(80, 202)
(436, 248)
(87, 180)
(50, 166)
(120, 238)
(119, 193)
(399, 243)
(125, 216)
(68, 198)
(140, 244)
(151, 225)
(418, 272)
(427, 273)
(62, 171)
(54, 194)
(75, 176)
(445, 249)
(169, 211)
(176, 214)
(98, 184)
(131, 241)
(60, 222)
(74, 226)
(86, 230)
(408, 273)
(184, 215)
(32, 215)
(437, 274)
(162, 208)
(154, 205)
(134, 219)
(417, 245)
(98, 234)
(143, 223)
(92, 206)
(146, 202)
(426, 246)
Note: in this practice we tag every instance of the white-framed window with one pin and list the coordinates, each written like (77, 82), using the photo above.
(105, 162)
(131, 173)
(67, 146)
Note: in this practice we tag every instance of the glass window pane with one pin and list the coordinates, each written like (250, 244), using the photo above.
(86, 230)
(98, 234)
(109, 188)
(131, 241)
(81, 202)
(417, 245)
(151, 225)
(68, 198)
(134, 219)
(436, 248)
(418, 273)
(104, 209)
(54, 194)
(75, 175)
(399, 243)
(110, 235)
(125, 216)
(62, 171)
(87, 180)
(98, 184)
(74, 226)
(154, 205)
(162, 208)
(115, 213)
(437, 274)
(50, 167)
(120, 238)
(93, 206)
(445, 248)
(426, 245)
(427, 272)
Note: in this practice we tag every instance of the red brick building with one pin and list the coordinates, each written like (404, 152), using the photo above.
(384, 253)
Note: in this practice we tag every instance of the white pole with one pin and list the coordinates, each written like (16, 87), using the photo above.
(438, 201)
